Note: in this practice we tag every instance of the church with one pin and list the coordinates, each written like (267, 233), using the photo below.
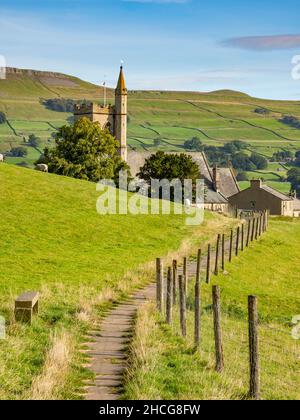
(112, 117)
(220, 183)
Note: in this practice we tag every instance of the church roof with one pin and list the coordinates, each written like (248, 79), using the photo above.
(228, 183)
(121, 87)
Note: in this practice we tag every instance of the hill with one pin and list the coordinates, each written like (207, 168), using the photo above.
(173, 117)
(54, 241)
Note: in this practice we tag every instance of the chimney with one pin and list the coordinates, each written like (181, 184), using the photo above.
(256, 184)
(216, 179)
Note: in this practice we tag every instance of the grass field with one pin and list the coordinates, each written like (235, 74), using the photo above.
(216, 117)
(168, 367)
(274, 176)
(54, 241)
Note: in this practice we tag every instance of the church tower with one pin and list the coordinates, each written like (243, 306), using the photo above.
(121, 115)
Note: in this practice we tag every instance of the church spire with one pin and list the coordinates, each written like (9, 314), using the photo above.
(121, 87)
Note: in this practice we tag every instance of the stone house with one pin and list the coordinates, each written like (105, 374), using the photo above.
(261, 197)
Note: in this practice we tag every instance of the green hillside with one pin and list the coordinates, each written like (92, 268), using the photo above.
(54, 241)
(173, 117)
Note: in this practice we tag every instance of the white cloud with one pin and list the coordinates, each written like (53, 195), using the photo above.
(264, 43)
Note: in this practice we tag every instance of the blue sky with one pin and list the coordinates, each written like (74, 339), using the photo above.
(165, 44)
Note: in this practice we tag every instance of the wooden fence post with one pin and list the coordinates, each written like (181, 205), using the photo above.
(223, 252)
(182, 301)
(198, 302)
(260, 225)
(169, 297)
(243, 237)
(253, 229)
(230, 245)
(264, 221)
(159, 284)
(248, 233)
(256, 228)
(175, 281)
(237, 241)
(253, 348)
(217, 255)
(208, 264)
(217, 328)
(185, 273)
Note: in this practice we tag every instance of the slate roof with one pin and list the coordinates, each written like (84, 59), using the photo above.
(228, 183)
(278, 194)
(214, 197)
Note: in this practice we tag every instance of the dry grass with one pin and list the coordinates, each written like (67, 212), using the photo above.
(55, 369)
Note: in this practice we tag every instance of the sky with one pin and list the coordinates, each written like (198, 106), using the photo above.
(196, 45)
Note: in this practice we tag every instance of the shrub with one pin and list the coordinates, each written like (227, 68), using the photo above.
(34, 141)
(259, 161)
(157, 142)
(193, 144)
(61, 104)
(291, 121)
(18, 151)
(2, 118)
(262, 111)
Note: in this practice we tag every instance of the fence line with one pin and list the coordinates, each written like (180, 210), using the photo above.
(255, 228)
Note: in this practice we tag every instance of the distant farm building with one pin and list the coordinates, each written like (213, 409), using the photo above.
(259, 197)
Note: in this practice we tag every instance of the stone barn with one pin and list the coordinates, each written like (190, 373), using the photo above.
(261, 197)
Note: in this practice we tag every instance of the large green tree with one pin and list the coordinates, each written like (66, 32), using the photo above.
(85, 151)
(169, 166)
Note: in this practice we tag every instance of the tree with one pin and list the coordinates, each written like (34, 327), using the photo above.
(293, 176)
(259, 161)
(242, 176)
(61, 104)
(18, 151)
(234, 146)
(34, 141)
(291, 121)
(262, 111)
(242, 162)
(282, 156)
(193, 144)
(170, 167)
(85, 151)
(2, 117)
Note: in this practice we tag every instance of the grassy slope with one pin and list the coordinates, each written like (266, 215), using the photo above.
(53, 240)
(163, 358)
